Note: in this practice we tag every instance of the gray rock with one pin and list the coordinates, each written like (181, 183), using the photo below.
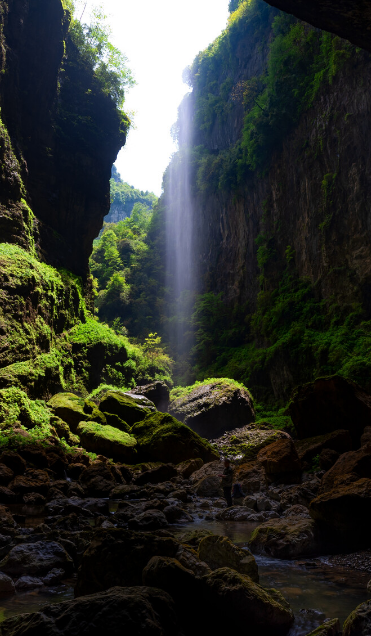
(149, 520)
(28, 583)
(358, 622)
(208, 486)
(213, 408)
(6, 584)
(54, 576)
(120, 610)
(36, 559)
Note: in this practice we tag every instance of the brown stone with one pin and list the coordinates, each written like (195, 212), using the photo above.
(98, 480)
(220, 552)
(327, 458)
(281, 462)
(117, 557)
(32, 481)
(6, 475)
(286, 538)
(329, 404)
(13, 461)
(187, 468)
(344, 513)
(308, 448)
(356, 462)
(6, 518)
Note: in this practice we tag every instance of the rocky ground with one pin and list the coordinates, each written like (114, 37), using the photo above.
(116, 527)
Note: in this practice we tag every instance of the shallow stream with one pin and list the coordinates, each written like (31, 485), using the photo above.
(315, 589)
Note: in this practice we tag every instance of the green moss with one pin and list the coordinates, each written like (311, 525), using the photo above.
(221, 384)
(107, 440)
(162, 438)
(16, 406)
(125, 407)
(36, 303)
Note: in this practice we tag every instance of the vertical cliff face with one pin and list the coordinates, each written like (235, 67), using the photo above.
(281, 175)
(63, 131)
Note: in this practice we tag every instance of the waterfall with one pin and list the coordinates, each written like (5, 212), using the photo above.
(180, 241)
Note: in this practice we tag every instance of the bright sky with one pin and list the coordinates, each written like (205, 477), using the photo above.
(160, 38)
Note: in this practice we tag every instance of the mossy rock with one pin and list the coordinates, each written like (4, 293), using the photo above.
(329, 628)
(213, 407)
(114, 420)
(220, 552)
(286, 538)
(106, 440)
(127, 407)
(162, 438)
(73, 410)
(63, 430)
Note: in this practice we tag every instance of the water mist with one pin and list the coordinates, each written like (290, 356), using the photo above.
(181, 275)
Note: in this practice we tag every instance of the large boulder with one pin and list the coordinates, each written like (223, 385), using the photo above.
(98, 479)
(156, 475)
(187, 468)
(36, 559)
(233, 600)
(214, 407)
(281, 462)
(358, 622)
(339, 441)
(343, 513)
(106, 440)
(222, 600)
(72, 409)
(162, 438)
(136, 611)
(220, 552)
(329, 404)
(117, 557)
(330, 627)
(355, 462)
(32, 481)
(129, 408)
(157, 392)
(286, 538)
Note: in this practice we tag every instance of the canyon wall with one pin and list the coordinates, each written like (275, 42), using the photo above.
(280, 158)
(60, 135)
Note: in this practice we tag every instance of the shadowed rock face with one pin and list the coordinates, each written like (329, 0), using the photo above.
(64, 133)
(350, 19)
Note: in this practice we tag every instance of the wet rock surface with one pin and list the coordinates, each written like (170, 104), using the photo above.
(212, 408)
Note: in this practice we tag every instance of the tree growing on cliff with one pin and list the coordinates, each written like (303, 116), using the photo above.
(93, 41)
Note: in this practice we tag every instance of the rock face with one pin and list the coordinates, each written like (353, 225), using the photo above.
(157, 392)
(239, 601)
(357, 463)
(127, 407)
(36, 559)
(211, 409)
(329, 628)
(342, 512)
(358, 622)
(350, 19)
(141, 611)
(112, 442)
(329, 404)
(66, 142)
(339, 441)
(220, 552)
(162, 438)
(281, 462)
(117, 557)
(286, 538)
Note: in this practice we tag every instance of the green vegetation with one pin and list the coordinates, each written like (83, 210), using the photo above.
(183, 391)
(124, 197)
(97, 52)
(301, 62)
(310, 337)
